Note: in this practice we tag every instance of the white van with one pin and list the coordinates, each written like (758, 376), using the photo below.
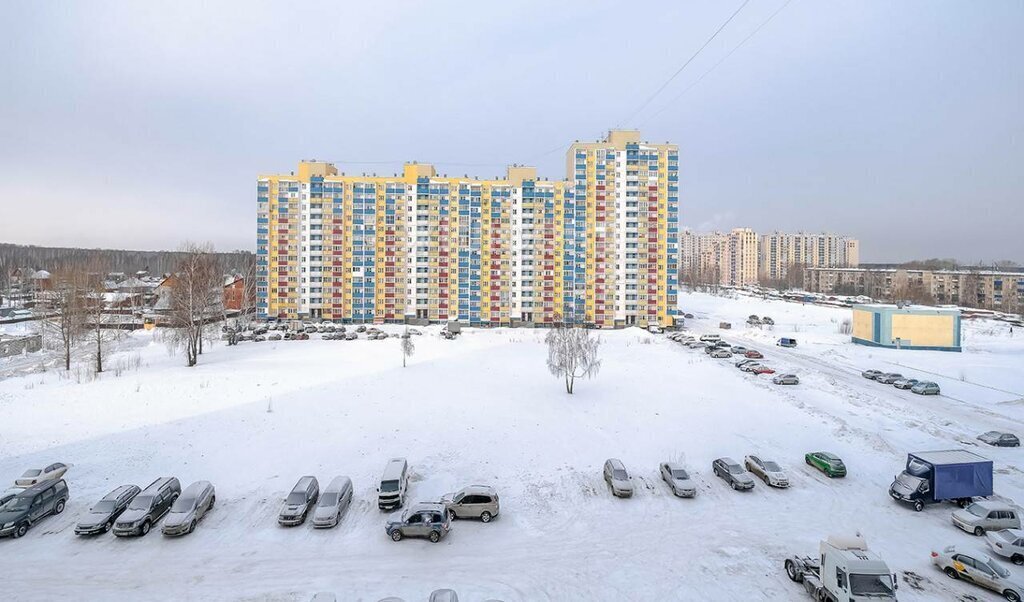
(393, 484)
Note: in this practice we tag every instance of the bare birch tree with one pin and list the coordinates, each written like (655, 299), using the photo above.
(68, 294)
(94, 311)
(408, 348)
(248, 274)
(191, 299)
(572, 354)
(212, 283)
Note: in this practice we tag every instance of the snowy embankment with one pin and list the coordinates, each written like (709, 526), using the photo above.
(483, 409)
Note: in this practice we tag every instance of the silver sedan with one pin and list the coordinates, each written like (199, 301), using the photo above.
(678, 479)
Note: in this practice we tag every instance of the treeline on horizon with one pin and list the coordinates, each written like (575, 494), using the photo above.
(55, 259)
(946, 264)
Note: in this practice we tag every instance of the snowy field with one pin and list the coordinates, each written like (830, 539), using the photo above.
(483, 409)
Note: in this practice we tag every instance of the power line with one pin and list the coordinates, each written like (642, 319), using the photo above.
(688, 61)
(713, 67)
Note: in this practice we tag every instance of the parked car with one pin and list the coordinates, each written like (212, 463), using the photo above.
(423, 519)
(871, 374)
(1008, 543)
(148, 507)
(999, 439)
(351, 336)
(986, 515)
(696, 345)
(296, 506)
(889, 378)
(709, 338)
(334, 500)
(786, 342)
(102, 515)
(10, 494)
(31, 506)
(655, 329)
(393, 484)
(905, 383)
(739, 349)
(721, 353)
(731, 472)
(475, 501)
(767, 470)
(274, 336)
(678, 480)
(925, 388)
(749, 366)
(828, 463)
(190, 507)
(38, 475)
(444, 595)
(759, 369)
(753, 354)
(980, 569)
(786, 379)
(618, 479)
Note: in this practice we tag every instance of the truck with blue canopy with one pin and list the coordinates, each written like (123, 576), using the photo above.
(954, 475)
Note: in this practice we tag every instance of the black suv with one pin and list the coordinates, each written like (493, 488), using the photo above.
(148, 507)
(31, 506)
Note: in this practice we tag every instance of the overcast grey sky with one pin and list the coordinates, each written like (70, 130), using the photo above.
(143, 124)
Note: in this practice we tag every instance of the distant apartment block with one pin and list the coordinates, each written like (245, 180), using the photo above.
(599, 248)
(741, 256)
(779, 251)
(999, 290)
(726, 258)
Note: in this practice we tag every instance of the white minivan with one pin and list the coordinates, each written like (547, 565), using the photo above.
(391, 493)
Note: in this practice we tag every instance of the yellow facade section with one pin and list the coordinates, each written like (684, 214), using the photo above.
(923, 330)
(863, 324)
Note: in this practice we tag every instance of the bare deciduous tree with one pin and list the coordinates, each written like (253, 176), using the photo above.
(572, 354)
(248, 271)
(408, 348)
(68, 297)
(191, 298)
(95, 314)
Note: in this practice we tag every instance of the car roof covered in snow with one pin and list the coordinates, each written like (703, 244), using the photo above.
(950, 456)
(478, 490)
(992, 505)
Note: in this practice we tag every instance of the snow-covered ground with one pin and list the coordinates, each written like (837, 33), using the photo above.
(483, 409)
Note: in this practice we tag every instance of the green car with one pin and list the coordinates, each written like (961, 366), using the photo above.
(830, 464)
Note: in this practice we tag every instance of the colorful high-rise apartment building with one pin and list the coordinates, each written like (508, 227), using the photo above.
(600, 249)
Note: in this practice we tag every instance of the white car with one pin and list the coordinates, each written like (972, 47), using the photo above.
(1008, 543)
(980, 569)
(678, 479)
(38, 475)
(769, 472)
